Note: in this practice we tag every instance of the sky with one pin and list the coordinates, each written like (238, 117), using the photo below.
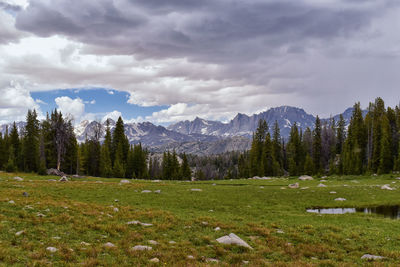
(166, 61)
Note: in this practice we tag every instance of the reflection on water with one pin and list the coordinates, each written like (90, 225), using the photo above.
(387, 211)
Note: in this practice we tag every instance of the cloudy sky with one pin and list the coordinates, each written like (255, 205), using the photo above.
(165, 61)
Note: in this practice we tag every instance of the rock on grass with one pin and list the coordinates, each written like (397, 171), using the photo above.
(233, 239)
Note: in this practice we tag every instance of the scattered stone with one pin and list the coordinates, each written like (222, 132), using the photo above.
(261, 187)
(56, 237)
(245, 262)
(172, 242)
(63, 179)
(196, 190)
(20, 233)
(153, 242)
(116, 200)
(77, 176)
(375, 174)
(55, 172)
(321, 185)
(52, 180)
(25, 194)
(41, 215)
(51, 249)
(398, 178)
(294, 186)
(323, 181)
(233, 239)
(305, 178)
(387, 187)
(83, 243)
(109, 245)
(212, 260)
(279, 231)
(124, 181)
(141, 248)
(157, 191)
(116, 209)
(99, 182)
(371, 257)
(190, 257)
(211, 211)
(204, 223)
(332, 192)
(146, 191)
(155, 260)
(304, 188)
(16, 178)
(217, 228)
(324, 177)
(139, 223)
(214, 184)
(340, 199)
(11, 202)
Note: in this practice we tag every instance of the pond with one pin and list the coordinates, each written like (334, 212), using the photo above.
(392, 212)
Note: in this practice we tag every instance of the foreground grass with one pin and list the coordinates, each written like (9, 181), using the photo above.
(80, 217)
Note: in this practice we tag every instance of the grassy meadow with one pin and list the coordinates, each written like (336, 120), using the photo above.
(80, 216)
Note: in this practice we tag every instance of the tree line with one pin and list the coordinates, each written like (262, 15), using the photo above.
(51, 143)
(370, 144)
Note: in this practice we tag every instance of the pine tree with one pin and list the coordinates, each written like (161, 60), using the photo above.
(118, 139)
(309, 165)
(31, 142)
(386, 157)
(277, 148)
(15, 146)
(105, 162)
(186, 173)
(317, 146)
(119, 168)
(268, 157)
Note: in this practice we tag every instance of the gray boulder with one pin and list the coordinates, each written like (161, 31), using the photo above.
(233, 239)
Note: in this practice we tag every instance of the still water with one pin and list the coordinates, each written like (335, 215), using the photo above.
(392, 212)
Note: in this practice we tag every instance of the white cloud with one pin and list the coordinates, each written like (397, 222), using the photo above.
(15, 100)
(74, 107)
(114, 115)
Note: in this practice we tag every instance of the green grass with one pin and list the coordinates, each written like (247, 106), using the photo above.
(82, 211)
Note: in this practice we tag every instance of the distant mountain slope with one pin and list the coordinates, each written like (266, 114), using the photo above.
(244, 125)
(202, 136)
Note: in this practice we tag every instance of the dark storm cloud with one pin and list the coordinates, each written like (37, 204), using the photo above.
(9, 7)
(207, 31)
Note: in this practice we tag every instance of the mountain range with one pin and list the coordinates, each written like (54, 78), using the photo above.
(202, 136)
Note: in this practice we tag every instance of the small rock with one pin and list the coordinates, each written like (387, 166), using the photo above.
(155, 260)
(25, 194)
(386, 187)
(52, 180)
(217, 228)
(172, 242)
(261, 187)
(332, 192)
(214, 184)
(85, 244)
(304, 188)
(116, 200)
(233, 239)
(124, 181)
(109, 245)
(16, 178)
(153, 242)
(56, 237)
(204, 223)
(116, 209)
(212, 260)
(196, 190)
(371, 257)
(156, 181)
(190, 257)
(305, 178)
(146, 191)
(340, 199)
(321, 185)
(294, 186)
(279, 231)
(140, 248)
(51, 249)
(63, 179)
(245, 262)
(157, 191)
(19, 233)
(139, 223)
(11, 202)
